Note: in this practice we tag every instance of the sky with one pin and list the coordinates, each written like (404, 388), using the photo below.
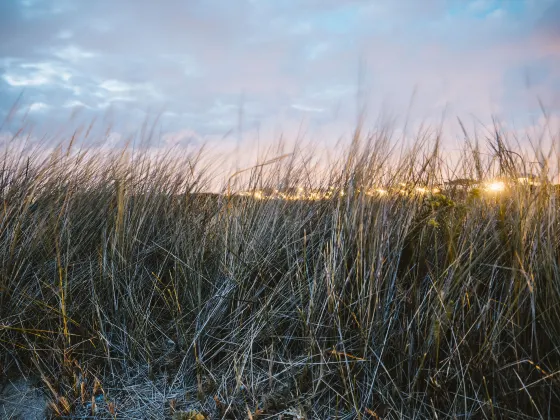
(240, 70)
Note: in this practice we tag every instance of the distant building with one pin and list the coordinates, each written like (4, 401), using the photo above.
(461, 184)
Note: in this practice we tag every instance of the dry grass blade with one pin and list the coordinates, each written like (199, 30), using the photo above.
(381, 285)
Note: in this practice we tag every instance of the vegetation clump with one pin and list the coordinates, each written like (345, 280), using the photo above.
(132, 292)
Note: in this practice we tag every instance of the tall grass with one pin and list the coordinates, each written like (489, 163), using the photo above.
(133, 293)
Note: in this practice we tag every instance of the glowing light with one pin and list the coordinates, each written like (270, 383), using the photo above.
(421, 190)
(436, 190)
(302, 194)
(496, 186)
(528, 181)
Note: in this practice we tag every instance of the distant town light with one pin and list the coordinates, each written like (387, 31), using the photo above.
(495, 186)
(528, 181)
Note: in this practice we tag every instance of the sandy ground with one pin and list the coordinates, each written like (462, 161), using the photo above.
(22, 399)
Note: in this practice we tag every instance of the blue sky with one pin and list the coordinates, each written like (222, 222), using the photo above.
(290, 63)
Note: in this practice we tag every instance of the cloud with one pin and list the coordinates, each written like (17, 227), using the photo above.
(115, 86)
(71, 53)
(15, 80)
(547, 28)
(35, 74)
(38, 107)
(74, 104)
(307, 108)
(281, 62)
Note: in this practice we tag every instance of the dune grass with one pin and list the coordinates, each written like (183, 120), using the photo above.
(132, 293)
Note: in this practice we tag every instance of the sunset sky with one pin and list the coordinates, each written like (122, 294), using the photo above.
(289, 63)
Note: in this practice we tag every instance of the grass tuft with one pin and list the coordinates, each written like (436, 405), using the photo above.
(388, 286)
